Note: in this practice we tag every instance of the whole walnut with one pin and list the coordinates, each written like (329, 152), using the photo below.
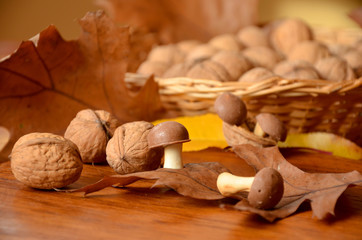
(334, 69)
(261, 56)
(339, 49)
(167, 54)
(309, 51)
(257, 74)
(234, 63)
(128, 151)
(209, 69)
(152, 68)
(45, 161)
(201, 52)
(354, 59)
(187, 46)
(178, 70)
(288, 34)
(226, 42)
(296, 69)
(252, 36)
(90, 130)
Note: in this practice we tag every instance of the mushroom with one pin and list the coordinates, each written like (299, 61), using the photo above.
(230, 108)
(265, 189)
(267, 125)
(170, 135)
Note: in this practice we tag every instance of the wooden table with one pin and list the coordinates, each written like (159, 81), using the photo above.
(138, 212)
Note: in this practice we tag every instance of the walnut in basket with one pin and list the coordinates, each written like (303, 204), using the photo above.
(178, 70)
(354, 59)
(261, 56)
(288, 33)
(201, 52)
(148, 68)
(252, 36)
(309, 51)
(257, 74)
(234, 62)
(167, 54)
(334, 69)
(227, 42)
(296, 69)
(209, 69)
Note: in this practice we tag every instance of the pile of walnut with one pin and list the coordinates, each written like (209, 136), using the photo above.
(49, 161)
(284, 48)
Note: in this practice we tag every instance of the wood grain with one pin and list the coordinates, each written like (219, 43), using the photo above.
(138, 212)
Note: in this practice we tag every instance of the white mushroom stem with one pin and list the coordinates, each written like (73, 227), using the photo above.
(259, 131)
(229, 184)
(173, 156)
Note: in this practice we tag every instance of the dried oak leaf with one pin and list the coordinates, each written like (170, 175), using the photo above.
(45, 83)
(196, 180)
(321, 189)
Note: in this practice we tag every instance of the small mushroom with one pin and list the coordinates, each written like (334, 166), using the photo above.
(230, 108)
(170, 135)
(267, 125)
(265, 189)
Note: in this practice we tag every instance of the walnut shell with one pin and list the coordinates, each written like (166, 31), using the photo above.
(178, 70)
(234, 63)
(152, 68)
(296, 70)
(354, 59)
(309, 51)
(201, 52)
(187, 46)
(167, 54)
(334, 69)
(209, 69)
(90, 131)
(261, 56)
(252, 36)
(288, 34)
(339, 49)
(45, 161)
(128, 151)
(235, 135)
(227, 42)
(257, 74)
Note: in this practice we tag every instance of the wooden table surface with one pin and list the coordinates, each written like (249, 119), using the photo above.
(138, 212)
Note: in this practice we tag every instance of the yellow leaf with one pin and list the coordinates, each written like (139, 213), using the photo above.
(204, 131)
(329, 142)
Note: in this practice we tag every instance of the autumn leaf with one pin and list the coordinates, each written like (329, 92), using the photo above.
(46, 82)
(321, 189)
(196, 180)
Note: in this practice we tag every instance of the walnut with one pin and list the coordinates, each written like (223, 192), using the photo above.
(45, 161)
(187, 46)
(209, 69)
(128, 151)
(261, 56)
(201, 52)
(178, 70)
(354, 59)
(339, 49)
(334, 69)
(296, 70)
(309, 51)
(358, 45)
(226, 42)
(252, 36)
(257, 74)
(234, 63)
(152, 68)
(167, 54)
(288, 34)
(90, 131)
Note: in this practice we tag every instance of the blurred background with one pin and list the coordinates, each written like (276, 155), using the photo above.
(22, 19)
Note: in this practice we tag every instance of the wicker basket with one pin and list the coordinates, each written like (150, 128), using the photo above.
(303, 105)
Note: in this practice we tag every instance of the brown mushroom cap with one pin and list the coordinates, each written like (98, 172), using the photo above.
(272, 126)
(230, 108)
(267, 189)
(167, 133)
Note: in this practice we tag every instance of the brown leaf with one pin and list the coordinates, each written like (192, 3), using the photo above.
(321, 189)
(175, 20)
(196, 180)
(44, 84)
